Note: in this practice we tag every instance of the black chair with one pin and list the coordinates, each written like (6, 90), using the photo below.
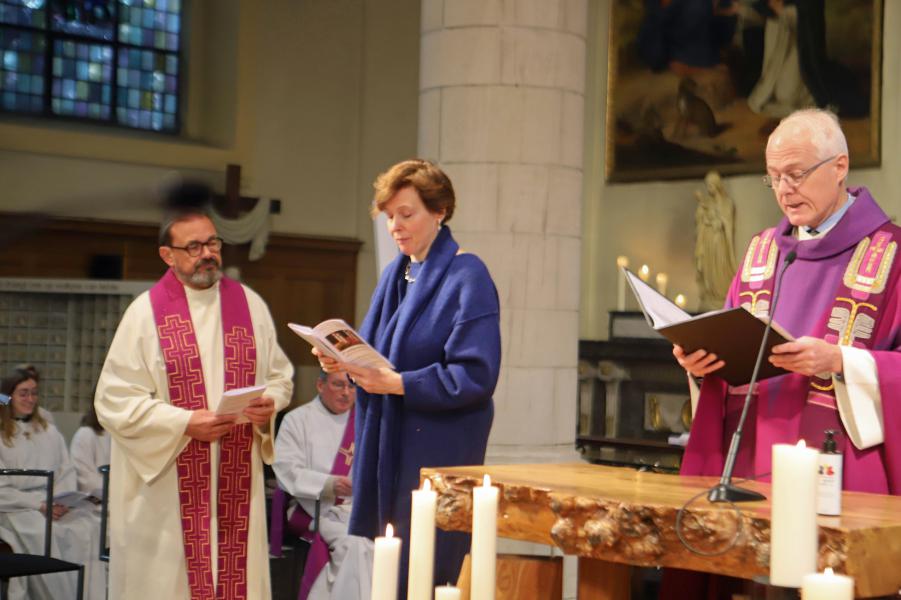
(23, 565)
(288, 554)
(104, 510)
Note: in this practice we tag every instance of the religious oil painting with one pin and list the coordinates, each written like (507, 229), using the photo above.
(695, 85)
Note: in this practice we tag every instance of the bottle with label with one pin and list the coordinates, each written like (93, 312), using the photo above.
(829, 480)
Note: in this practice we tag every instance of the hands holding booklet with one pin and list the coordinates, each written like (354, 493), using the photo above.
(732, 334)
(338, 340)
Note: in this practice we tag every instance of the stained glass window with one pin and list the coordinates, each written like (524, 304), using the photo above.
(111, 61)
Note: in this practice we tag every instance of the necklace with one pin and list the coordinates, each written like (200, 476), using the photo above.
(407, 276)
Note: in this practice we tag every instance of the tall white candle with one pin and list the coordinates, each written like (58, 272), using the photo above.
(447, 592)
(422, 543)
(662, 280)
(621, 263)
(644, 273)
(385, 563)
(793, 530)
(484, 540)
(827, 586)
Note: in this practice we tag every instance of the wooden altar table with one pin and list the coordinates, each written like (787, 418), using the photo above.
(614, 518)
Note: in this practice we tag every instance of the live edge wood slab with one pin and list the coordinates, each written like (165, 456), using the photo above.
(613, 517)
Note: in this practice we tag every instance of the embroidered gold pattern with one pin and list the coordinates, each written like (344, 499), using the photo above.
(755, 254)
(752, 306)
(885, 254)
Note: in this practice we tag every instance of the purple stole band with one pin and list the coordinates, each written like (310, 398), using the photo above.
(181, 354)
(854, 314)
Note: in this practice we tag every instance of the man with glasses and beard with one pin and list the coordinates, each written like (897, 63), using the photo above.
(187, 509)
(839, 299)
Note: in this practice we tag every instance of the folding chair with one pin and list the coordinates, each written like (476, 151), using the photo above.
(104, 511)
(23, 565)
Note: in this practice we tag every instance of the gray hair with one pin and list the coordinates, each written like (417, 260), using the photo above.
(823, 127)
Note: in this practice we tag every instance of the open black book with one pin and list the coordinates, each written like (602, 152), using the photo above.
(733, 334)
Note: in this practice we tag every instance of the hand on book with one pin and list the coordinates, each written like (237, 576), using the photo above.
(207, 426)
(58, 510)
(376, 381)
(808, 356)
(699, 363)
(260, 410)
(327, 363)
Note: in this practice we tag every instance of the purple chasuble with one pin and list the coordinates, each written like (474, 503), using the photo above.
(818, 299)
(181, 354)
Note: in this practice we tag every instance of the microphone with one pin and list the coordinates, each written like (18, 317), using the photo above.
(724, 491)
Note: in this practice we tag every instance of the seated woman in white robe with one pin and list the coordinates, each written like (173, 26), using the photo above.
(90, 449)
(27, 441)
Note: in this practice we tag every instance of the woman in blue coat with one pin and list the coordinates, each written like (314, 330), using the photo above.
(435, 315)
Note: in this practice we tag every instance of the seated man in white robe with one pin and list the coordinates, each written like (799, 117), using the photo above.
(313, 456)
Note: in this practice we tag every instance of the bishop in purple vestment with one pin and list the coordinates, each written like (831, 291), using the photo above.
(841, 302)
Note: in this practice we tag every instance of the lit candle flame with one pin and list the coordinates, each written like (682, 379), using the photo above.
(829, 572)
(427, 484)
(389, 531)
(802, 444)
(644, 273)
(622, 261)
(680, 300)
(486, 481)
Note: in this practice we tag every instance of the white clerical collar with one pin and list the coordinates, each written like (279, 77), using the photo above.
(814, 233)
(210, 292)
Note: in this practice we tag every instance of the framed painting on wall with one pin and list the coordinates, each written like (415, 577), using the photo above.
(695, 85)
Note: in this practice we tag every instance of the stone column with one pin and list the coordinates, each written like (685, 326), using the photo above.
(501, 110)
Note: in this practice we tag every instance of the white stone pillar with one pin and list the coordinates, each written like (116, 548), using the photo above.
(501, 110)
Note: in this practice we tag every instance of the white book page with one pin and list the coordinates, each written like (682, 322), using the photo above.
(72, 499)
(236, 400)
(655, 305)
(339, 340)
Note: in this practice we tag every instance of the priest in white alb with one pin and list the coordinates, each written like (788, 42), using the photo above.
(314, 455)
(187, 507)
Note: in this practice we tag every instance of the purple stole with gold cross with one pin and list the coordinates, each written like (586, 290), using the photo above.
(852, 319)
(181, 354)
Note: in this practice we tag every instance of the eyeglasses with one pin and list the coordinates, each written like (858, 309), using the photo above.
(196, 248)
(794, 180)
(25, 393)
(341, 385)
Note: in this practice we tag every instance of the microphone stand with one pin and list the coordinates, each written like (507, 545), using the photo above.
(724, 491)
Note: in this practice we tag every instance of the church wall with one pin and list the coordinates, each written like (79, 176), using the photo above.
(313, 99)
(653, 222)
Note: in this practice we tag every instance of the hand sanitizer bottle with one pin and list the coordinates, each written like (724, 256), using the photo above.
(829, 481)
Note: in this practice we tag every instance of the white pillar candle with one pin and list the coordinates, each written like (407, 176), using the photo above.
(681, 301)
(484, 540)
(793, 529)
(644, 273)
(662, 280)
(385, 563)
(827, 586)
(447, 592)
(422, 543)
(621, 263)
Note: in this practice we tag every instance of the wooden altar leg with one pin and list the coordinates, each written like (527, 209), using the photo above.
(602, 580)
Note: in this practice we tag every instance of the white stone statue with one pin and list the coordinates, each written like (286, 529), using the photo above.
(714, 246)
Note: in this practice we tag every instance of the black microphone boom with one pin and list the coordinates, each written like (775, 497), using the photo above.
(724, 491)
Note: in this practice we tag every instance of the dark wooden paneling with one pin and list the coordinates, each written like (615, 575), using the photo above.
(303, 279)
